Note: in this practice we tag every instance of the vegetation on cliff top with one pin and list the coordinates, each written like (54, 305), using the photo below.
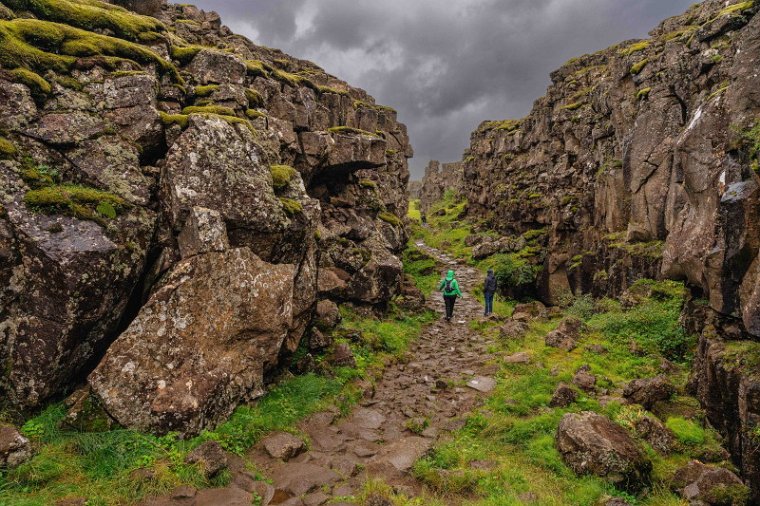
(92, 16)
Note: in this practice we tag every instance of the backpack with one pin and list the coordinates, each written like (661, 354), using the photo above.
(447, 286)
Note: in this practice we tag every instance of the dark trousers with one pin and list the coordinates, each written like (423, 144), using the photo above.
(450, 300)
(489, 302)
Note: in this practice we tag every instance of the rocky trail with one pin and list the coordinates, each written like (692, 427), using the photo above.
(416, 402)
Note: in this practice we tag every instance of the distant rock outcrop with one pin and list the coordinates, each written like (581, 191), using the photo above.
(183, 198)
(439, 178)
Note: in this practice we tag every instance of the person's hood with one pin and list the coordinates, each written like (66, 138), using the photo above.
(450, 275)
(490, 273)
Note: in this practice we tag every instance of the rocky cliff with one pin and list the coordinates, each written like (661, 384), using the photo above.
(175, 201)
(438, 179)
(642, 161)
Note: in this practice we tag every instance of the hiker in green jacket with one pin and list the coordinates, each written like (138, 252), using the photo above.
(450, 288)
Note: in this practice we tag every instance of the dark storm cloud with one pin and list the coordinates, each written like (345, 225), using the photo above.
(445, 66)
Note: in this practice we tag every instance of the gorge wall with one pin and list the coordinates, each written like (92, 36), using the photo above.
(642, 161)
(175, 201)
(437, 180)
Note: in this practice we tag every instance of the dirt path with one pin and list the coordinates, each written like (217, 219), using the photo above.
(414, 404)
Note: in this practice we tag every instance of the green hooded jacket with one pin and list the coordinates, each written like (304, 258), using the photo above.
(454, 285)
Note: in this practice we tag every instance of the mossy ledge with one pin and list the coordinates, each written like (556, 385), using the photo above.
(43, 45)
(79, 201)
(92, 16)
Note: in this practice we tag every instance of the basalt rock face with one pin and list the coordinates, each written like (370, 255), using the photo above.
(438, 179)
(142, 156)
(638, 163)
(641, 162)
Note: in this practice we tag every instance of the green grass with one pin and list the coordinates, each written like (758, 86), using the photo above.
(653, 324)
(751, 139)
(422, 268)
(515, 430)
(687, 431)
(447, 232)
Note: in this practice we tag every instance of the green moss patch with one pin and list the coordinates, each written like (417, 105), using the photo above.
(175, 119)
(636, 68)
(292, 207)
(391, 218)
(44, 45)
(79, 201)
(255, 99)
(643, 93)
(253, 114)
(508, 125)
(282, 175)
(350, 131)
(205, 91)
(7, 149)
(737, 8)
(634, 48)
(38, 86)
(256, 68)
(208, 109)
(93, 15)
(39, 176)
(185, 54)
(69, 82)
(572, 107)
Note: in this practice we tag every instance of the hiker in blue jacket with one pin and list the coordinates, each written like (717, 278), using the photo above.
(450, 288)
(489, 290)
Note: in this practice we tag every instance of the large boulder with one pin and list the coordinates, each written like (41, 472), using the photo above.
(200, 345)
(593, 444)
(710, 486)
(648, 392)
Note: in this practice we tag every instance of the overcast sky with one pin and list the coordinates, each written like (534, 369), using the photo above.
(444, 65)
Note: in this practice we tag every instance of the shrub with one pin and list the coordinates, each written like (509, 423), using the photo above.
(513, 271)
